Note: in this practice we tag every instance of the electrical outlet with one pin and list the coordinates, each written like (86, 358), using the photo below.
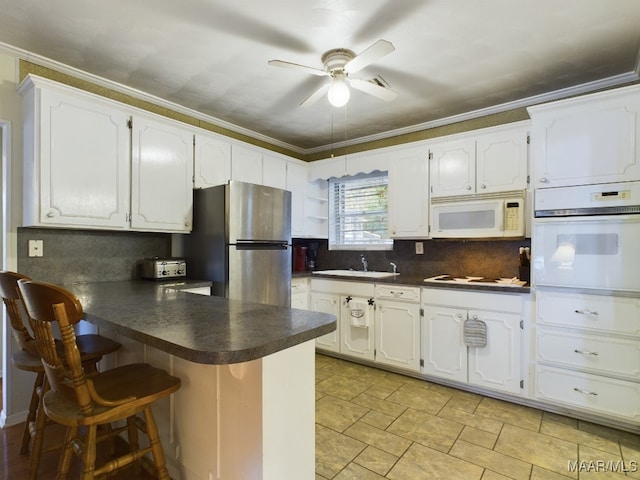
(36, 248)
(419, 248)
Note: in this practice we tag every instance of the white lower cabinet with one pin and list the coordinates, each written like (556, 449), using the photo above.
(397, 326)
(498, 364)
(327, 303)
(587, 352)
(357, 323)
(300, 293)
(378, 322)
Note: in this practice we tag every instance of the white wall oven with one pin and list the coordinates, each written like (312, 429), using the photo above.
(588, 237)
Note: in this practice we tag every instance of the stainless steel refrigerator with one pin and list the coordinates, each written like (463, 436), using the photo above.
(241, 241)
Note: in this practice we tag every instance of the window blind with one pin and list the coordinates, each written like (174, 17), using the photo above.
(358, 213)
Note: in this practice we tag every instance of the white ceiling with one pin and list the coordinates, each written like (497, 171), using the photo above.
(451, 57)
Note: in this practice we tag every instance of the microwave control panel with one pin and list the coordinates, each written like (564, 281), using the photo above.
(512, 216)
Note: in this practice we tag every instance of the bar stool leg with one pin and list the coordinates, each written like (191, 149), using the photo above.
(132, 431)
(65, 456)
(33, 411)
(38, 432)
(156, 446)
(89, 454)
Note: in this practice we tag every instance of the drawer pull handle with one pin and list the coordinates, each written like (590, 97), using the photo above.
(587, 312)
(396, 294)
(585, 392)
(586, 352)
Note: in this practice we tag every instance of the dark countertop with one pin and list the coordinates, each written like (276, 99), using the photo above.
(418, 281)
(198, 328)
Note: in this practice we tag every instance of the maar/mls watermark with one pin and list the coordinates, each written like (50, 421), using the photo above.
(617, 466)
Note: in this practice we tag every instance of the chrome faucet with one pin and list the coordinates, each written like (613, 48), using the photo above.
(365, 265)
(394, 266)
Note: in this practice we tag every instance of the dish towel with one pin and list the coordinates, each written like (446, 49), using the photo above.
(475, 333)
(359, 314)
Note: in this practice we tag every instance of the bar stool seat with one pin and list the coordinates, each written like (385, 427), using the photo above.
(76, 399)
(92, 348)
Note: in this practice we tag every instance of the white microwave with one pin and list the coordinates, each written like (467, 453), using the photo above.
(497, 215)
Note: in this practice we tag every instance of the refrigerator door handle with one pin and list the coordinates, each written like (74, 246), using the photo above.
(258, 245)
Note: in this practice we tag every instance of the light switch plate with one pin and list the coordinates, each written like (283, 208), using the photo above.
(419, 248)
(36, 248)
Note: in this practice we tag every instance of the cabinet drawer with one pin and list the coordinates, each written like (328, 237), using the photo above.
(598, 353)
(591, 392)
(594, 312)
(299, 285)
(392, 292)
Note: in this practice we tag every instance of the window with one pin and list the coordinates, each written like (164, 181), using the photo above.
(358, 212)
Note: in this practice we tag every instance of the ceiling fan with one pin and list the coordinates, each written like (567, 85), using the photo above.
(339, 64)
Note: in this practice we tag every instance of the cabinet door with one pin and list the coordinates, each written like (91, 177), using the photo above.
(162, 176)
(83, 164)
(445, 354)
(497, 365)
(398, 334)
(300, 293)
(246, 164)
(274, 171)
(409, 193)
(594, 139)
(453, 168)
(357, 327)
(327, 303)
(296, 183)
(212, 161)
(501, 161)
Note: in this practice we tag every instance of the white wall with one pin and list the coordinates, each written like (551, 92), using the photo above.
(16, 384)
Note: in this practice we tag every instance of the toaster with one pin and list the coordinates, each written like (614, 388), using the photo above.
(159, 268)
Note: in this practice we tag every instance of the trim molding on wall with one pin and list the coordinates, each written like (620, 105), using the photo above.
(486, 117)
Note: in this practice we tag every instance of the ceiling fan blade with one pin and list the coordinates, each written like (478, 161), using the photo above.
(315, 96)
(376, 51)
(383, 93)
(296, 66)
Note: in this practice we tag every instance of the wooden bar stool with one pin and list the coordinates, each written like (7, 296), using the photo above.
(92, 349)
(76, 399)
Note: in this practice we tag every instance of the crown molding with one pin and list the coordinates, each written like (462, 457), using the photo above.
(577, 90)
(140, 95)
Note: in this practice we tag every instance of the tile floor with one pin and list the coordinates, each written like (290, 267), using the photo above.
(372, 424)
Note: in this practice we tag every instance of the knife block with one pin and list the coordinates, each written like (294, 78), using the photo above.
(524, 273)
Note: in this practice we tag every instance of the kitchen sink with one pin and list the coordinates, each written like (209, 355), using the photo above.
(355, 273)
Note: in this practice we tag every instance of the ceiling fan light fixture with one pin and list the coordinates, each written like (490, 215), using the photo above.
(338, 93)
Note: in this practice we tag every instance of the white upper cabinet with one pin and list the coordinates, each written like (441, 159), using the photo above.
(586, 140)
(408, 192)
(296, 184)
(85, 168)
(502, 161)
(246, 164)
(212, 160)
(453, 167)
(161, 175)
(76, 168)
(274, 170)
(485, 161)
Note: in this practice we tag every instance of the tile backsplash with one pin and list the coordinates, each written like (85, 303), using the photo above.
(88, 255)
(489, 258)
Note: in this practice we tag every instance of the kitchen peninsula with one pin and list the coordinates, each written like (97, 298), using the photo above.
(246, 408)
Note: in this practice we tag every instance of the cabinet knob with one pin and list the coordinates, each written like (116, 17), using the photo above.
(475, 317)
(483, 186)
(50, 214)
(468, 187)
(459, 315)
(544, 180)
(187, 224)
